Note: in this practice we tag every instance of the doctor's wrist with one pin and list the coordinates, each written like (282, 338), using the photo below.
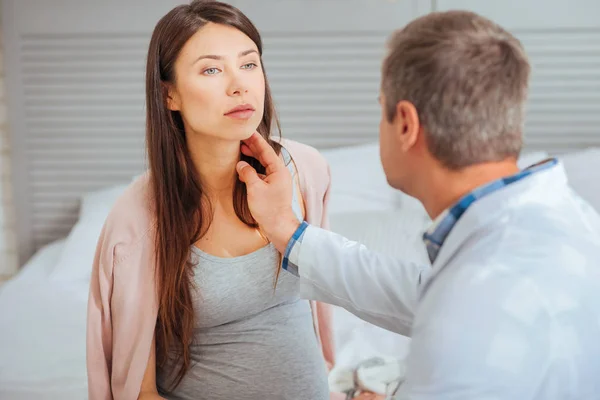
(281, 231)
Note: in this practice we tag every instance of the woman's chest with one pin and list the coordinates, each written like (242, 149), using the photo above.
(227, 236)
(233, 289)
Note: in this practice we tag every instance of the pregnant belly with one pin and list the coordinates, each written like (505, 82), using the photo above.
(280, 361)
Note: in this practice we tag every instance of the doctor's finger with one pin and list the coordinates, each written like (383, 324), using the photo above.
(263, 152)
(247, 174)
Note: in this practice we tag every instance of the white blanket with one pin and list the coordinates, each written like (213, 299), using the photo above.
(42, 334)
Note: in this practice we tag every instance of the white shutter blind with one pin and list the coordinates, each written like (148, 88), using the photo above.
(326, 85)
(83, 105)
(562, 39)
(564, 106)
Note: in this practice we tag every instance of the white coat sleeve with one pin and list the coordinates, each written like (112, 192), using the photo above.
(379, 289)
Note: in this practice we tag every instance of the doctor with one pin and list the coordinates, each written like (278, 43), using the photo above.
(510, 308)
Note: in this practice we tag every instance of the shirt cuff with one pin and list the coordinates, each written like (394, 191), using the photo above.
(292, 250)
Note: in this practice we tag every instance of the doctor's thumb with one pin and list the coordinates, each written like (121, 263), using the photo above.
(247, 173)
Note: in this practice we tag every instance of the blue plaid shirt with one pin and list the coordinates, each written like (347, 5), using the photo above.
(436, 235)
(438, 232)
(291, 248)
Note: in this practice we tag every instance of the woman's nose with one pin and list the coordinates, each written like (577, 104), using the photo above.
(237, 86)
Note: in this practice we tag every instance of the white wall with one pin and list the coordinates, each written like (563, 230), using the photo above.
(8, 252)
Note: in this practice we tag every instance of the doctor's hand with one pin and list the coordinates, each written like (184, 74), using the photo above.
(269, 196)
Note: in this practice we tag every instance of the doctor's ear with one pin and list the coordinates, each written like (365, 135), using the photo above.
(407, 124)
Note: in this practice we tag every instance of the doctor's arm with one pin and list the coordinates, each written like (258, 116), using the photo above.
(377, 288)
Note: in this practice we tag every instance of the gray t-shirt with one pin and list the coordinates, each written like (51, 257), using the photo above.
(252, 340)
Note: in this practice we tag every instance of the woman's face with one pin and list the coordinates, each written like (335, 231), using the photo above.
(219, 86)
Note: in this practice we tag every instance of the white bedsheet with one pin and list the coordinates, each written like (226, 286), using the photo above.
(42, 334)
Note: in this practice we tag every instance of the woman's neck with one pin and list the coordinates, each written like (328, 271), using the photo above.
(215, 160)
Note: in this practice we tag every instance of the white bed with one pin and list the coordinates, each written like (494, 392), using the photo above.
(42, 310)
(42, 339)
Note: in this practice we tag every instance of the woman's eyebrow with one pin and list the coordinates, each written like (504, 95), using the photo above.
(215, 57)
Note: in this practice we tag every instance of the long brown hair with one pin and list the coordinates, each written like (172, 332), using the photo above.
(176, 189)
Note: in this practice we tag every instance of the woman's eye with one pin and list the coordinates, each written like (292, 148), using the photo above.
(211, 71)
(249, 66)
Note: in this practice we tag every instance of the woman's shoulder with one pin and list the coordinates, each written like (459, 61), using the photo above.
(303, 153)
(310, 163)
(130, 221)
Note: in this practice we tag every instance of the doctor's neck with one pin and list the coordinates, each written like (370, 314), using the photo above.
(442, 188)
(215, 160)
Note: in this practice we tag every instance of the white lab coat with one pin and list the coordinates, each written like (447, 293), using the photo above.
(510, 308)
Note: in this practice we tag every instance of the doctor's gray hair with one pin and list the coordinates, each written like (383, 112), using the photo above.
(468, 79)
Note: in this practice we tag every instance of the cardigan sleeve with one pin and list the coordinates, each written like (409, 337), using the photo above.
(121, 319)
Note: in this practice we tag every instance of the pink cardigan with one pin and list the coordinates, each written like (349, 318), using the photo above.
(123, 305)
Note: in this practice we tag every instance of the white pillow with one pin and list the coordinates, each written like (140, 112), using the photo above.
(393, 232)
(41, 264)
(583, 172)
(358, 181)
(100, 201)
(397, 233)
(76, 259)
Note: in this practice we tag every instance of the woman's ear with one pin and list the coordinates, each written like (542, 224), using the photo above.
(172, 97)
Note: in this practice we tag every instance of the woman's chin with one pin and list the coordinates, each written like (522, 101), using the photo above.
(247, 134)
(243, 129)
(233, 132)
(243, 132)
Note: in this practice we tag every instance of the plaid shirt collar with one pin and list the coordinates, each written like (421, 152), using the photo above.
(440, 229)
